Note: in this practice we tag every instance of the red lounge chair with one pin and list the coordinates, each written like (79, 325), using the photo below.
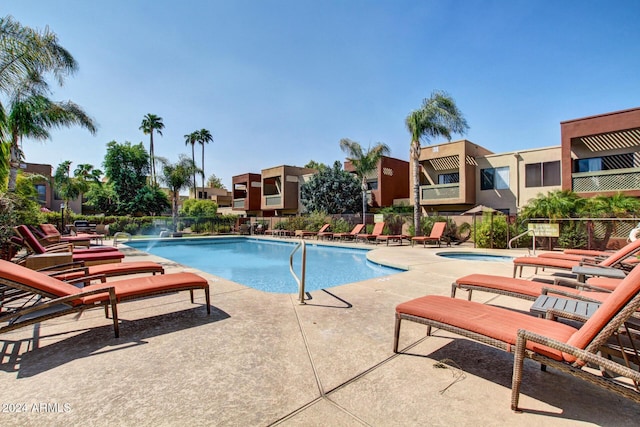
(350, 235)
(618, 259)
(304, 233)
(551, 343)
(437, 232)
(48, 234)
(378, 228)
(90, 256)
(526, 289)
(56, 298)
(74, 271)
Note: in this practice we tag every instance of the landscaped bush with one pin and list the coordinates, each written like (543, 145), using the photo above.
(573, 235)
(493, 229)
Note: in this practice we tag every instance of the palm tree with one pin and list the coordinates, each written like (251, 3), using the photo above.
(151, 123)
(192, 138)
(439, 116)
(32, 117)
(68, 187)
(204, 137)
(26, 55)
(363, 163)
(177, 177)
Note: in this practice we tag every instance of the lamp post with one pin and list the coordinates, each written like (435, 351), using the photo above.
(62, 206)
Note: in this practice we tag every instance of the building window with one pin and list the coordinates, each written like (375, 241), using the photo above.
(604, 163)
(494, 178)
(449, 178)
(41, 189)
(542, 174)
(372, 185)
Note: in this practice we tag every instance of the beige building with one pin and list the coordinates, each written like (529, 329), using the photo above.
(507, 181)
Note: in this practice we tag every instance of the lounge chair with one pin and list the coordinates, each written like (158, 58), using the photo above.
(325, 234)
(350, 235)
(551, 343)
(618, 259)
(436, 235)
(91, 256)
(378, 228)
(303, 234)
(527, 289)
(77, 270)
(48, 234)
(53, 298)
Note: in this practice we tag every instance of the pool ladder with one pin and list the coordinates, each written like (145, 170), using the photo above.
(299, 280)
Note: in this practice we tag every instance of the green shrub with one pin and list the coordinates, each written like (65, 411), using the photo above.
(573, 235)
(493, 228)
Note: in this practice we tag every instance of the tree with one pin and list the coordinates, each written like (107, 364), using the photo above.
(439, 116)
(332, 190)
(316, 165)
(150, 124)
(126, 167)
(192, 138)
(86, 172)
(68, 187)
(554, 205)
(102, 198)
(177, 177)
(203, 137)
(215, 182)
(363, 163)
(33, 116)
(27, 56)
(199, 208)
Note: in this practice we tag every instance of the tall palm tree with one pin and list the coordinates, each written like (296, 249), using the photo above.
(150, 124)
(204, 137)
(192, 138)
(177, 177)
(363, 163)
(32, 117)
(438, 117)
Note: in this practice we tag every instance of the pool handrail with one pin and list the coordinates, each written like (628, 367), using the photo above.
(300, 281)
(532, 231)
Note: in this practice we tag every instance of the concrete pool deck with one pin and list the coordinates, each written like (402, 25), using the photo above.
(262, 359)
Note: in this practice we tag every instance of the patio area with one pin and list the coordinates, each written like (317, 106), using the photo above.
(262, 359)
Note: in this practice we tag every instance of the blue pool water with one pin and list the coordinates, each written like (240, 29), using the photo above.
(470, 256)
(264, 265)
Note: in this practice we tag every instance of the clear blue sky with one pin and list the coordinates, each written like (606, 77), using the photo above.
(282, 81)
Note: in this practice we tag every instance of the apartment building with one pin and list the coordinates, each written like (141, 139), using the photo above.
(601, 154)
(388, 184)
(456, 176)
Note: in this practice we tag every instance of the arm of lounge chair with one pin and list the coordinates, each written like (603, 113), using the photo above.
(555, 313)
(62, 247)
(57, 273)
(552, 291)
(71, 265)
(62, 300)
(87, 279)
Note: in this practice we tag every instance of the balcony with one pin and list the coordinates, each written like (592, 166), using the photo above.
(275, 200)
(238, 203)
(610, 180)
(439, 192)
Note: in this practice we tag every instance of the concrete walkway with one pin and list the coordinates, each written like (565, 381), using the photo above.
(262, 359)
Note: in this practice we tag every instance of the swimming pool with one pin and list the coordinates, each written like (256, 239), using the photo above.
(471, 256)
(264, 265)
